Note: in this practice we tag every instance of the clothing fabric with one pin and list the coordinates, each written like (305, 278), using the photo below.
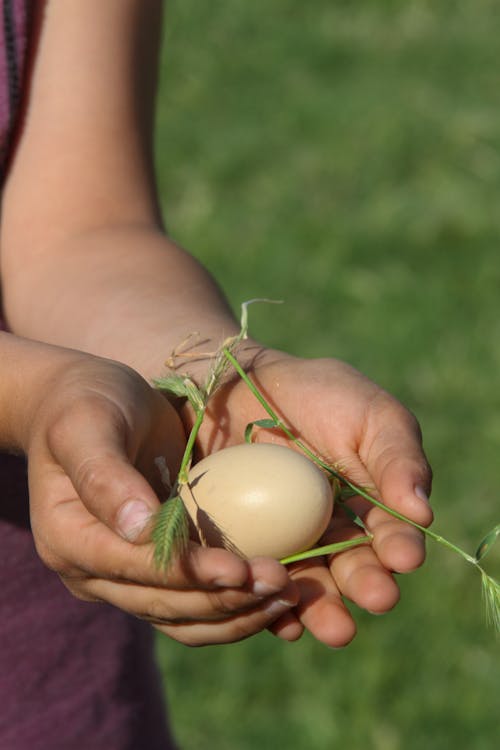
(73, 675)
(14, 29)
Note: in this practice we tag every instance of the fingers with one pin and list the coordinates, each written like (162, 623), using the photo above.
(72, 542)
(89, 443)
(393, 456)
(320, 610)
(208, 596)
(363, 580)
(197, 617)
(287, 627)
(393, 468)
(356, 575)
(398, 546)
(218, 614)
(100, 469)
(236, 628)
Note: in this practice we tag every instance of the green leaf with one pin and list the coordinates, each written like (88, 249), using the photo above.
(346, 493)
(487, 543)
(170, 533)
(182, 387)
(194, 395)
(267, 424)
(174, 384)
(352, 515)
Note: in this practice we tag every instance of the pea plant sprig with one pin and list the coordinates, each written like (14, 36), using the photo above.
(170, 532)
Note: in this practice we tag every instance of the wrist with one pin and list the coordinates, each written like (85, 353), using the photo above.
(196, 354)
(231, 394)
(27, 371)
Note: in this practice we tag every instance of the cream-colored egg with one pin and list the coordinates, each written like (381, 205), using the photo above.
(259, 499)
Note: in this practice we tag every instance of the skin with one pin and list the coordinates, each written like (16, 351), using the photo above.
(91, 429)
(125, 291)
(353, 423)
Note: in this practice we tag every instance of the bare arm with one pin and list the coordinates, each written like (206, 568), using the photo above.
(81, 232)
(82, 241)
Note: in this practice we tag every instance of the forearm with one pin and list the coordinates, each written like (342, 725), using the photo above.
(84, 261)
(122, 292)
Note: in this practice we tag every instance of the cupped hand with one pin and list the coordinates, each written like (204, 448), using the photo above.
(358, 427)
(94, 487)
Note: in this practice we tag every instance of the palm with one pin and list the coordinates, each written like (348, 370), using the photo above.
(355, 425)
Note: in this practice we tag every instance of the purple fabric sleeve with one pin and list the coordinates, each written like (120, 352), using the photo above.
(73, 675)
(14, 31)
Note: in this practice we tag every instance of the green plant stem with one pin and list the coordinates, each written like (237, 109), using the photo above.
(428, 532)
(358, 490)
(328, 549)
(188, 451)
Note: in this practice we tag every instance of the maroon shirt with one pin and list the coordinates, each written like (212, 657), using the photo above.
(73, 675)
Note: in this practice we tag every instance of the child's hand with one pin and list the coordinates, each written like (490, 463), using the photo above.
(91, 449)
(350, 422)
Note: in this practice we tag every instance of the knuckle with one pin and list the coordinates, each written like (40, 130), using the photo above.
(410, 422)
(88, 476)
(385, 406)
(78, 411)
(59, 431)
(224, 603)
(80, 592)
(51, 559)
(424, 470)
(157, 611)
(91, 477)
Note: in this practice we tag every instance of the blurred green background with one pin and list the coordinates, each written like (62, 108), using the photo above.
(345, 157)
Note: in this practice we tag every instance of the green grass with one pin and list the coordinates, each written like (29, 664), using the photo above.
(345, 157)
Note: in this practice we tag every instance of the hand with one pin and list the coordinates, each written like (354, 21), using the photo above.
(94, 436)
(352, 423)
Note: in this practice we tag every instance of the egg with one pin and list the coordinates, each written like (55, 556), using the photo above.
(258, 499)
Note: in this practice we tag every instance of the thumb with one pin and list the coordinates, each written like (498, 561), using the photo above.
(392, 462)
(397, 465)
(90, 445)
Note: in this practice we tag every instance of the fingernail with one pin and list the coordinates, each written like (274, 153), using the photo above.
(421, 493)
(225, 582)
(278, 607)
(262, 588)
(132, 519)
